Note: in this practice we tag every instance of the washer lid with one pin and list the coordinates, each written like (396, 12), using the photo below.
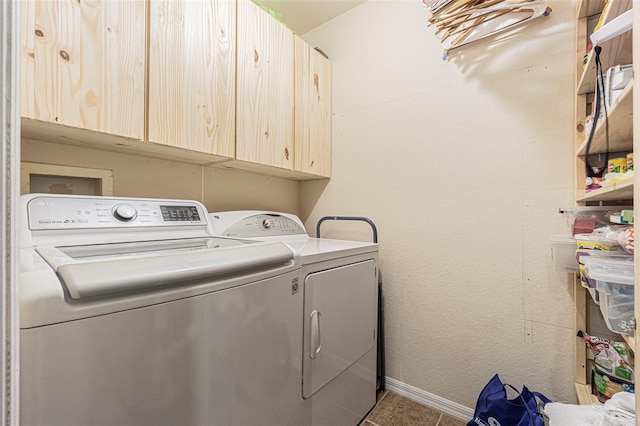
(85, 252)
(105, 269)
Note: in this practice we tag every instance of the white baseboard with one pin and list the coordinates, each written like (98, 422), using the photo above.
(436, 402)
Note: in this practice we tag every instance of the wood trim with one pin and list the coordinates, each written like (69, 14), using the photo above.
(580, 104)
(584, 395)
(58, 133)
(622, 190)
(580, 301)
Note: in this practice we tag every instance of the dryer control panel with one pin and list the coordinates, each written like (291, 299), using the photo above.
(51, 212)
(256, 225)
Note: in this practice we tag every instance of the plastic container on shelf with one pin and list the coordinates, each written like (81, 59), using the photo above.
(584, 219)
(614, 263)
(616, 299)
(620, 76)
(626, 216)
(616, 81)
(563, 253)
(596, 242)
(617, 312)
(603, 255)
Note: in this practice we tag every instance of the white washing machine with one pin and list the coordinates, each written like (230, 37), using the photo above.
(340, 285)
(132, 313)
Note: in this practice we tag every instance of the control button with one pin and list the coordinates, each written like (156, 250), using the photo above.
(267, 223)
(125, 212)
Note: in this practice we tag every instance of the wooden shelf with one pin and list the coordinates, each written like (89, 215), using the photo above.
(622, 190)
(620, 127)
(631, 341)
(617, 51)
(584, 396)
(57, 133)
(67, 135)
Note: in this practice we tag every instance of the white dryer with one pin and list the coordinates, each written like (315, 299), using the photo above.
(340, 286)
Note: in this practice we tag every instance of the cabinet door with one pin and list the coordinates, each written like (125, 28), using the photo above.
(312, 110)
(83, 64)
(265, 89)
(192, 75)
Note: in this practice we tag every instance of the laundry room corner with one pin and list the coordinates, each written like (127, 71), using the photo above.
(460, 163)
(319, 213)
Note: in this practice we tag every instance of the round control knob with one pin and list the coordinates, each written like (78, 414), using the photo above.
(267, 223)
(125, 212)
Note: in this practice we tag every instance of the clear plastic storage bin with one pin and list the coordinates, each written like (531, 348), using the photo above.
(616, 300)
(604, 262)
(596, 242)
(563, 253)
(584, 219)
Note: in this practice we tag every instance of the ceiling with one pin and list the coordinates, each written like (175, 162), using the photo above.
(304, 15)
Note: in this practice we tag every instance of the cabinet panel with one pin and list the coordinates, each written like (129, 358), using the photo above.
(83, 64)
(192, 75)
(312, 110)
(264, 89)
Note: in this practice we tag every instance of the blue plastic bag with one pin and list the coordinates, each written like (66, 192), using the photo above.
(495, 409)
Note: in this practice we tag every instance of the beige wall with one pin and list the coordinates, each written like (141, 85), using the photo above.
(462, 164)
(133, 176)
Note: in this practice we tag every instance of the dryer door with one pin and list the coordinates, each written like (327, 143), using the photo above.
(340, 321)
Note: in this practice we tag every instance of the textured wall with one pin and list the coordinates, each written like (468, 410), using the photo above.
(462, 164)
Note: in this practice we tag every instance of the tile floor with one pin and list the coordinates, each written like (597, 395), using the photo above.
(395, 410)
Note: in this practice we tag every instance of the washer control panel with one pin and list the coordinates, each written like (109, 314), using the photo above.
(66, 212)
(230, 224)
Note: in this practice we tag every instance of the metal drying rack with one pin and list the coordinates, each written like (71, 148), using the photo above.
(380, 366)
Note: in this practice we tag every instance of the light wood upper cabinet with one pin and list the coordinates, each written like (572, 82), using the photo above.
(312, 111)
(83, 64)
(192, 75)
(205, 81)
(264, 131)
